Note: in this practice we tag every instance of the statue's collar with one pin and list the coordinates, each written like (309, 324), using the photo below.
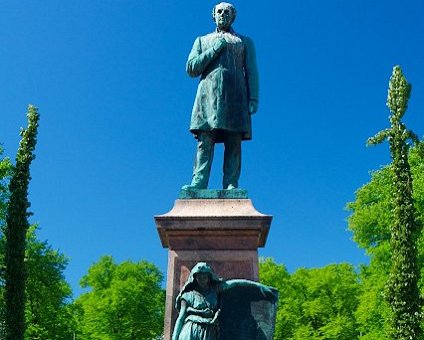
(231, 31)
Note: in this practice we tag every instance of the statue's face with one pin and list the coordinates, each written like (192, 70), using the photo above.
(223, 16)
(202, 280)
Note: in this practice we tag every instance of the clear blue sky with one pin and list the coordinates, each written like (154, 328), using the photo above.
(114, 148)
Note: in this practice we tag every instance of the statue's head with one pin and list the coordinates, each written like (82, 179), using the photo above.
(202, 269)
(224, 15)
(202, 279)
(202, 275)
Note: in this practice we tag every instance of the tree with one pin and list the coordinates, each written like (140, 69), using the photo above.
(277, 276)
(402, 285)
(48, 311)
(5, 173)
(314, 303)
(125, 301)
(373, 311)
(370, 221)
(16, 228)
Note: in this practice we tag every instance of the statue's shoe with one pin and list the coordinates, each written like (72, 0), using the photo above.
(231, 187)
(192, 187)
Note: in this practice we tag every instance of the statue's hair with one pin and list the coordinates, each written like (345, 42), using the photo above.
(231, 6)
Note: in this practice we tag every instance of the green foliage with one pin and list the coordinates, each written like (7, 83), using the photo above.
(125, 301)
(314, 303)
(5, 173)
(276, 275)
(370, 222)
(372, 214)
(373, 312)
(402, 285)
(48, 315)
(386, 220)
(16, 228)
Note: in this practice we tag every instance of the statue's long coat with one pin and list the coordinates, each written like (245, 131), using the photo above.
(228, 80)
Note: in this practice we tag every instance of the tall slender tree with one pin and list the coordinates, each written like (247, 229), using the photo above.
(402, 285)
(16, 228)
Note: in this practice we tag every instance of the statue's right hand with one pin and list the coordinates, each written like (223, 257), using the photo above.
(215, 318)
(219, 44)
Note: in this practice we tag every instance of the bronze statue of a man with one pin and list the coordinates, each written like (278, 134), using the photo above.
(226, 96)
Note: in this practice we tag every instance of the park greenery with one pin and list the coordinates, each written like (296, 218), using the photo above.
(375, 301)
(402, 286)
(15, 229)
(125, 301)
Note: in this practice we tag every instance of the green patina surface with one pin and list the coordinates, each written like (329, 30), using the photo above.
(227, 96)
(245, 309)
(213, 194)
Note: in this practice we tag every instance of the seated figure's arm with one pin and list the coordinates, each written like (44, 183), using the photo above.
(198, 59)
(205, 313)
(180, 320)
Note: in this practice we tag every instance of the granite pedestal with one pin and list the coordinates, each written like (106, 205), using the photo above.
(223, 231)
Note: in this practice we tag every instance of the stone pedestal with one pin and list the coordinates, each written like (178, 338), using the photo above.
(226, 233)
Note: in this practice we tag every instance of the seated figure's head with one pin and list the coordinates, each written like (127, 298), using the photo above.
(202, 279)
(202, 275)
(223, 15)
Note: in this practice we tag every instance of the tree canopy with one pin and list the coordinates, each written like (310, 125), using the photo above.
(46, 309)
(125, 301)
(370, 222)
(15, 230)
(314, 303)
(339, 301)
(386, 221)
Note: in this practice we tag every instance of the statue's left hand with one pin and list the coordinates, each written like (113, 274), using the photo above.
(253, 106)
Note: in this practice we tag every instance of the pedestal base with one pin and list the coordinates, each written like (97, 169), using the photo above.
(222, 232)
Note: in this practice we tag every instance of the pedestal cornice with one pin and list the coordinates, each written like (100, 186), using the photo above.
(213, 224)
